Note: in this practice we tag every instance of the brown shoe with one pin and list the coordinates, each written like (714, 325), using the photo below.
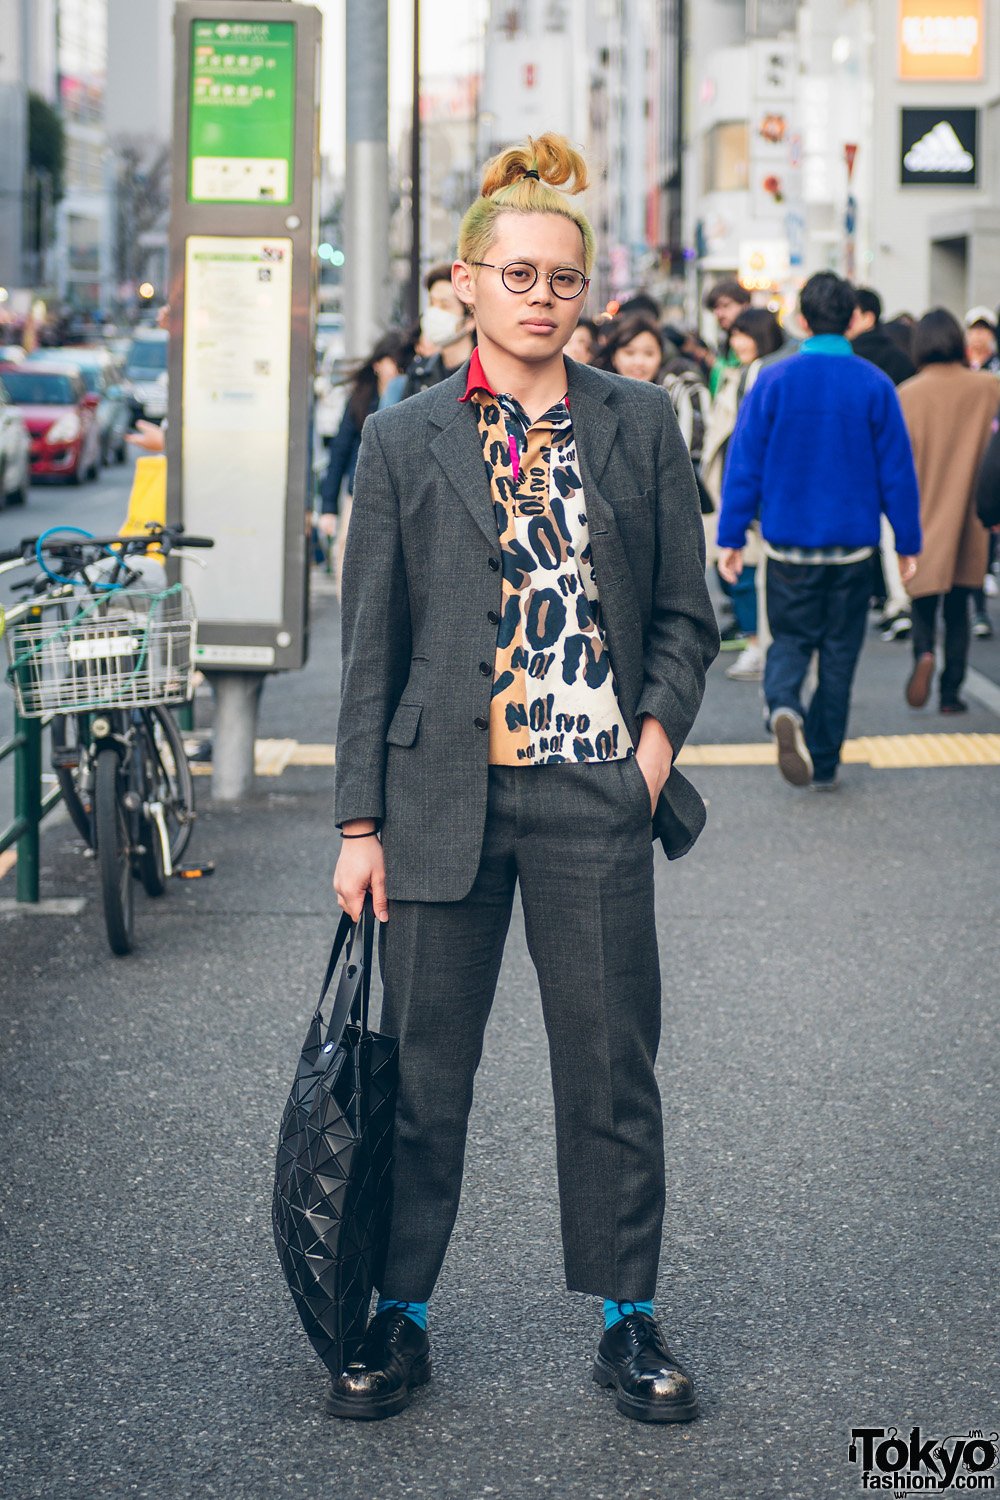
(919, 686)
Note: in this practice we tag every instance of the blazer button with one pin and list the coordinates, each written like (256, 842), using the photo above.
(494, 565)
(493, 617)
(481, 723)
(485, 668)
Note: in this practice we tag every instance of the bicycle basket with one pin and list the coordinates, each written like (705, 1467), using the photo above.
(120, 649)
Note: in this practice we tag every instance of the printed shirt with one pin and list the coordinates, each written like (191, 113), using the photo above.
(554, 693)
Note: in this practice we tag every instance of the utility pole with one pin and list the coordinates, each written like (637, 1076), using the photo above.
(366, 304)
(413, 301)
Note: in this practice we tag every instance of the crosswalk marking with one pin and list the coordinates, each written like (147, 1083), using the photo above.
(886, 752)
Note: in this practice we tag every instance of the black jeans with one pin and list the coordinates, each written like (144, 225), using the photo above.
(823, 608)
(956, 635)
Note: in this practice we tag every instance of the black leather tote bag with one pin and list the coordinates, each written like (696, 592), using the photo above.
(333, 1176)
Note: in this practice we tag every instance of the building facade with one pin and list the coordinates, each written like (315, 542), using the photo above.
(84, 220)
(852, 135)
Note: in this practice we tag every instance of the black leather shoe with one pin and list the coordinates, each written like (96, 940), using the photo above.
(394, 1358)
(649, 1384)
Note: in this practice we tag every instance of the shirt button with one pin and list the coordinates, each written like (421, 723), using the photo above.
(493, 617)
(481, 723)
(485, 668)
(494, 565)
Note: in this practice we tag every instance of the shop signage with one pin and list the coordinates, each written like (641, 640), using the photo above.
(764, 264)
(940, 39)
(939, 147)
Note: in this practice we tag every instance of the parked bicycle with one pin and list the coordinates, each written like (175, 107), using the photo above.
(104, 648)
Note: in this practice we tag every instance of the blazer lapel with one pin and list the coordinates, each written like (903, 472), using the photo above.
(458, 450)
(595, 427)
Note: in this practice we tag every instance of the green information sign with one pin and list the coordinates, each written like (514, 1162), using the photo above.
(242, 127)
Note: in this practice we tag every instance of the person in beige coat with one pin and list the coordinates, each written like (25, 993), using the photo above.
(949, 411)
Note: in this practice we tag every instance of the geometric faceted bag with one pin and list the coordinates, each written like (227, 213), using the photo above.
(333, 1175)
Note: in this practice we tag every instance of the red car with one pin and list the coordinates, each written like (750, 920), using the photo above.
(61, 418)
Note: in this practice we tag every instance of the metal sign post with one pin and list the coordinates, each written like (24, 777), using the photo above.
(243, 293)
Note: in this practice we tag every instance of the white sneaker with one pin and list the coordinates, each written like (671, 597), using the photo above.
(794, 760)
(990, 586)
(748, 666)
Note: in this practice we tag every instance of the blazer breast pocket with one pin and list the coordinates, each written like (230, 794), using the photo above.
(403, 726)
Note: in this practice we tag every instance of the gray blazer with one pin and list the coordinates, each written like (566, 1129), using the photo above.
(422, 571)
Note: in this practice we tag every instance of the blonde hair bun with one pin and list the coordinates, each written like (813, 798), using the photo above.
(507, 188)
(550, 155)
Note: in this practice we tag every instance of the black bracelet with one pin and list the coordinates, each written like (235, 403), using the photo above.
(372, 834)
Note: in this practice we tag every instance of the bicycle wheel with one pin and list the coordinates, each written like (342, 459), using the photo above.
(114, 863)
(173, 784)
(147, 781)
(67, 742)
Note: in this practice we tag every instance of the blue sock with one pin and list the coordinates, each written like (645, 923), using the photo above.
(415, 1311)
(615, 1311)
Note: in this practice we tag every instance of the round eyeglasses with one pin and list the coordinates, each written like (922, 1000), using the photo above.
(521, 275)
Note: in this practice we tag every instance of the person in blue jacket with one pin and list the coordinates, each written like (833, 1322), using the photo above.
(819, 453)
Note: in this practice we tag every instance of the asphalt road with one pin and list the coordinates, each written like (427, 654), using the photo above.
(829, 1065)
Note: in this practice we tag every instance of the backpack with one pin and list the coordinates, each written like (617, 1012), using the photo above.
(690, 399)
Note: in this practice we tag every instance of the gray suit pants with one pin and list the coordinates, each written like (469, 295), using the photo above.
(578, 838)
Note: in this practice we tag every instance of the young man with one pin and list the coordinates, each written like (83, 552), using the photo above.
(526, 631)
(819, 454)
(871, 341)
(725, 301)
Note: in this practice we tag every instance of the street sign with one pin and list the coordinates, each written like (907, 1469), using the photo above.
(242, 112)
(243, 293)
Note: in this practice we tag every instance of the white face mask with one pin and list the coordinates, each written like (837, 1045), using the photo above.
(439, 326)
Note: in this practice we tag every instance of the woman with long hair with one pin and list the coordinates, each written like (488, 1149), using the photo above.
(368, 385)
(949, 411)
(526, 631)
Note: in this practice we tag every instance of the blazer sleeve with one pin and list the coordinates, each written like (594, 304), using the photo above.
(375, 635)
(682, 639)
(342, 451)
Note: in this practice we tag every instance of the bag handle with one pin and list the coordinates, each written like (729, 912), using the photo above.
(353, 992)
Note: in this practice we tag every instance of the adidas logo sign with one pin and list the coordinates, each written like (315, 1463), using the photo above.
(940, 150)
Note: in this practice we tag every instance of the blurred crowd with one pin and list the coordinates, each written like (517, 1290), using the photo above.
(709, 382)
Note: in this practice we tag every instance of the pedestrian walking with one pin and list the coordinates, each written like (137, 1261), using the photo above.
(725, 301)
(367, 388)
(447, 334)
(950, 411)
(869, 338)
(583, 342)
(633, 346)
(756, 338)
(526, 632)
(981, 340)
(819, 452)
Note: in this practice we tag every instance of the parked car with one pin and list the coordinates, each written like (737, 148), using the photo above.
(146, 374)
(15, 453)
(104, 376)
(61, 418)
